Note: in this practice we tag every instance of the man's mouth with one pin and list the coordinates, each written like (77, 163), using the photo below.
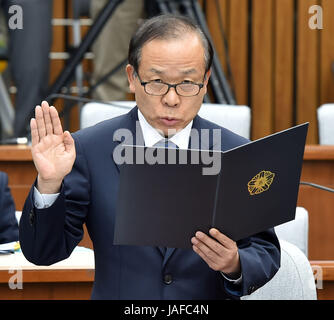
(169, 121)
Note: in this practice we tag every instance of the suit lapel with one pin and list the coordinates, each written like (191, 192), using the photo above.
(167, 255)
(129, 132)
(209, 142)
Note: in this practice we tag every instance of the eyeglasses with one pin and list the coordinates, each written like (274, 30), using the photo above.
(160, 88)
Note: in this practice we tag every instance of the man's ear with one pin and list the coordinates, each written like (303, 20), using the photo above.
(206, 80)
(207, 77)
(131, 77)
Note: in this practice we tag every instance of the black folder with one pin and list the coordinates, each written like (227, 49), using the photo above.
(164, 204)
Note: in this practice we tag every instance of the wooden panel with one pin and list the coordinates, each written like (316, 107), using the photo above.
(262, 68)
(307, 70)
(327, 292)
(49, 285)
(16, 161)
(15, 153)
(214, 28)
(318, 152)
(48, 291)
(56, 66)
(58, 39)
(324, 278)
(320, 208)
(319, 204)
(51, 275)
(238, 48)
(327, 53)
(327, 267)
(284, 64)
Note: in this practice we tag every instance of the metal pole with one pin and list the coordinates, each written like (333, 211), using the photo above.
(163, 6)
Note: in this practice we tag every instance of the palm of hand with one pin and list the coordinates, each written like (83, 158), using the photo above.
(53, 150)
(53, 161)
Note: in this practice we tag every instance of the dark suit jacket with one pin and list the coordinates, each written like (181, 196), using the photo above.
(9, 230)
(88, 195)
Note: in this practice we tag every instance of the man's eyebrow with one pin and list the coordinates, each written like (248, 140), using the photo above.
(189, 71)
(156, 71)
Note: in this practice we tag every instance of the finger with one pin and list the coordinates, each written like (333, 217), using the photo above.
(40, 122)
(210, 243)
(57, 128)
(207, 251)
(221, 238)
(34, 132)
(47, 118)
(209, 262)
(68, 141)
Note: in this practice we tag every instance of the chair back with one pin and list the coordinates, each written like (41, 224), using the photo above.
(325, 114)
(296, 231)
(236, 118)
(94, 112)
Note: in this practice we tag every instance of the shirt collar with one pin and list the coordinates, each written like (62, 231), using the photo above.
(152, 136)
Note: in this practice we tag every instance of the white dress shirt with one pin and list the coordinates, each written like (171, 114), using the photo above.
(152, 136)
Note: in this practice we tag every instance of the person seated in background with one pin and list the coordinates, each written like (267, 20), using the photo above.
(9, 229)
(111, 46)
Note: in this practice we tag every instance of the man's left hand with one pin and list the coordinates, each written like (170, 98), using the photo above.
(219, 252)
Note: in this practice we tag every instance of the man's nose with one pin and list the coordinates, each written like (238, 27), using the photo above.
(171, 98)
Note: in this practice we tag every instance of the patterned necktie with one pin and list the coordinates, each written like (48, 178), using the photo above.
(165, 143)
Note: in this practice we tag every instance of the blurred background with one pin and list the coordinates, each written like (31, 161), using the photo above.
(273, 61)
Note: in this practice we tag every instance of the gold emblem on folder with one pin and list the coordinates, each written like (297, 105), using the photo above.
(261, 182)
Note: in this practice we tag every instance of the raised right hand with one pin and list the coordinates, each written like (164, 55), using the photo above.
(53, 150)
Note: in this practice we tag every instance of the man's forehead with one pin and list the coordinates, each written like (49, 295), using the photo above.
(185, 71)
(158, 55)
(189, 40)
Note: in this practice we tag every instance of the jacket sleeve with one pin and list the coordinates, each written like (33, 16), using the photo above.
(50, 235)
(9, 230)
(260, 258)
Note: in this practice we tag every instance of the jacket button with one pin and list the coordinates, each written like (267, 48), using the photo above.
(31, 217)
(251, 289)
(168, 279)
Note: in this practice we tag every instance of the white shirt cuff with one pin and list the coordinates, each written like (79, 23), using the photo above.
(43, 201)
(233, 281)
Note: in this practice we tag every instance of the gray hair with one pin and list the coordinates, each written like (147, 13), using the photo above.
(165, 27)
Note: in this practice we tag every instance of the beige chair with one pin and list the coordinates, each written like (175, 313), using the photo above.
(325, 114)
(233, 117)
(94, 112)
(296, 231)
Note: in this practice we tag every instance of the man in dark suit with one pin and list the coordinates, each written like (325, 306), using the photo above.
(9, 230)
(78, 180)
